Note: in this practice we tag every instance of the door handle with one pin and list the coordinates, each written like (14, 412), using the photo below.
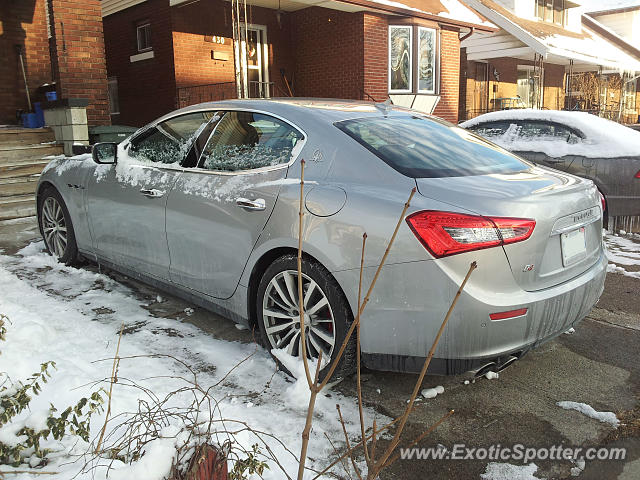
(257, 204)
(153, 193)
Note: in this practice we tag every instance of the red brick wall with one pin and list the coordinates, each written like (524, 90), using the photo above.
(324, 53)
(192, 54)
(375, 55)
(328, 53)
(146, 88)
(22, 23)
(79, 50)
(447, 108)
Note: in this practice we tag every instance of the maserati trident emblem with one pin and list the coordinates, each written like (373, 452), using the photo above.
(528, 268)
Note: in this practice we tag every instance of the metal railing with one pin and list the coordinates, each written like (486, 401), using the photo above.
(210, 92)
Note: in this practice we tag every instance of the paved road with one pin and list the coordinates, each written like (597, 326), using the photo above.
(598, 365)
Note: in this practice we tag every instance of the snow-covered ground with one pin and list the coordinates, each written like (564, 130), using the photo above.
(623, 253)
(73, 317)
(589, 411)
(507, 471)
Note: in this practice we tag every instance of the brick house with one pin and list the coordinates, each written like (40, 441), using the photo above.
(61, 42)
(543, 56)
(164, 54)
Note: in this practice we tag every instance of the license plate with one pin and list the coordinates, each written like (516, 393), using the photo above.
(574, 246)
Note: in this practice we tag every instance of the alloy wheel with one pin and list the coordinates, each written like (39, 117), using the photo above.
(281, 316)
(54, 227)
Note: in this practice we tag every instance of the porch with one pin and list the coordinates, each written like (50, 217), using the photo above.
(535, 64)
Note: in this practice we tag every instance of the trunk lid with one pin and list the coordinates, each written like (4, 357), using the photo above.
(567, 239)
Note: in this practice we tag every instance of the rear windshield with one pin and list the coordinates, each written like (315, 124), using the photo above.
(420, 147)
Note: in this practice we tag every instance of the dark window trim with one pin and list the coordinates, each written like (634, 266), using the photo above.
(139, 25)
(540, 11)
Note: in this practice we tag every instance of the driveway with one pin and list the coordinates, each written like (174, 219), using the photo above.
(597, 365)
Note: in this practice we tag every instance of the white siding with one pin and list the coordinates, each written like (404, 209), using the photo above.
(482, 46)
(113, 6)
(626, 24)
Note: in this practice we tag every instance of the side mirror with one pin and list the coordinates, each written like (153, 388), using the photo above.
(105, 152)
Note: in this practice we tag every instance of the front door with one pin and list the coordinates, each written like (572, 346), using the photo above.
(481, 89)
(127, 201)
(217, 211)
(255, 61)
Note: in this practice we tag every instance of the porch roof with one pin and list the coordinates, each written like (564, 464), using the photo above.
(557, 45)
(453, 12)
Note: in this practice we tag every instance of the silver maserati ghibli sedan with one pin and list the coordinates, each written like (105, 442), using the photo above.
(204, 203)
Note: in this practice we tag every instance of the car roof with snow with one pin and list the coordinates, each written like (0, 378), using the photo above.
(615, 140)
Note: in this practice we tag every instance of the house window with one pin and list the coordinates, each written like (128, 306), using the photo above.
(114, 101)
(143, 35)
(426, 60)
(413, 64)
(629, 97)
(400, 58)
(551, 11)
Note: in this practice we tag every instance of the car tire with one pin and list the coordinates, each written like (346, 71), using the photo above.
(56, 227)
(329, 322)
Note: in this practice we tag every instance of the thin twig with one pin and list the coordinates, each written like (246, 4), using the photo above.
(346, 439)
(403, 419)
(307, 427)
(116, 360)
(357, 445)
(344, 463)
(316, 387)
(358, 367)
(422, 435)
(374, 442)
(303, 334)
(356, 321)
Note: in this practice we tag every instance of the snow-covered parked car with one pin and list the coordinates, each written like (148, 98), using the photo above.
(204, 203)
(575, 142)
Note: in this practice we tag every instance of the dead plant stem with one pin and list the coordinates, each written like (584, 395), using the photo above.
(403, 419)
(116, 361)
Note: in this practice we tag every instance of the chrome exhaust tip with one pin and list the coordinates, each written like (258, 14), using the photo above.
(507, 363)
(489, 367)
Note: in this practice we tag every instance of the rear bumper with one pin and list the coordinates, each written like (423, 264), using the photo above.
(410, 301)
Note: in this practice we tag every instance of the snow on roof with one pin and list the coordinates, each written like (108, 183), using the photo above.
(592, 48)
(584, 46)
(603, 138)
(597, 5)
(449, 9)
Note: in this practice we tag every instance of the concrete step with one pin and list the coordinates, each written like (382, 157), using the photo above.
(25, 136)
(10, 154)
(17, 206)
(10, 187)
(22, 168)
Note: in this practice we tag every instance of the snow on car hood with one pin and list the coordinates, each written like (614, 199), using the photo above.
(602, 138)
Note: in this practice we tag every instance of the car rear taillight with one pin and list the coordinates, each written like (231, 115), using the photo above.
(638, 174)
(510, 314)
(603, 201)
(448, 233)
